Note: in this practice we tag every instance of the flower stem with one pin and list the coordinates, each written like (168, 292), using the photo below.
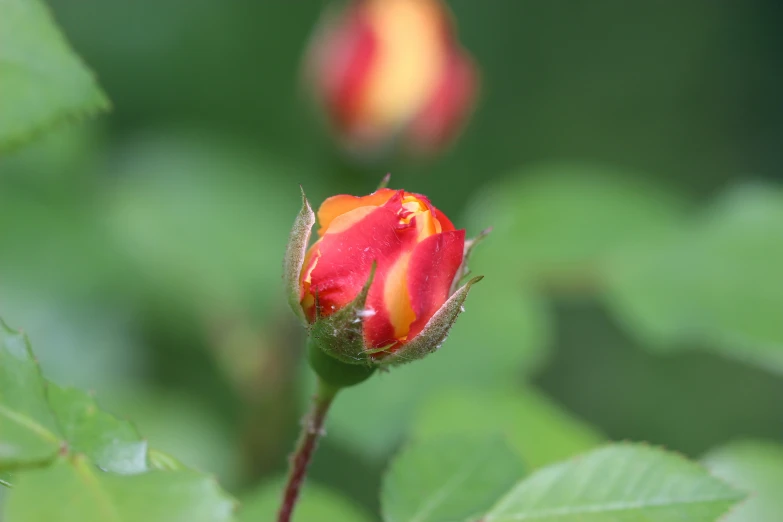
(312, 429)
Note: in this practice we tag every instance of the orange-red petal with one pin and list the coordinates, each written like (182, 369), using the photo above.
(445, 223)
(431, 270)
(347, 257)
(338, 205)
(449, 105)
(342, 57)
(396, 299)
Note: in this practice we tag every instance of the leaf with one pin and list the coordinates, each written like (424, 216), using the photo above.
(112, 444)
(448, 480)
(538, 430)
(618, 483)
(74, 489)
(43, 81)
(316, 503)
(555, 222)
(28, 430)
(755, 467)
(714, 284)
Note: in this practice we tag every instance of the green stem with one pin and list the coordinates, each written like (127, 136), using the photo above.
(312, 429)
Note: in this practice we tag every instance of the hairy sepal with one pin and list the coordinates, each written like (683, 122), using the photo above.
(341, 334)
(295, 253)
(435, 331)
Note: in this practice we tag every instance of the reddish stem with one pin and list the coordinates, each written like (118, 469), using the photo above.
(312, 429)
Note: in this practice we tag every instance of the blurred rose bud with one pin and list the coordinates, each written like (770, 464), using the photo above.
(380, 286)
(391, 69)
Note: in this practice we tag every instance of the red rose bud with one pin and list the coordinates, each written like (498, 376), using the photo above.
(380, 285)
(384, 69)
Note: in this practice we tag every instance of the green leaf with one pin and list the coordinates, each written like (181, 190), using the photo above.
(74, 489)
(714, 284)
(316, 503)
(112, 444)
(539, 430)
(755, 467)
(28, 429)
(556, 222)
(448, 480)
(618, 483)
(6, 480)
(44, 81)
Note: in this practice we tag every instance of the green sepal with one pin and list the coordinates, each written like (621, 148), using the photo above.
(435, 331)
(341, 334)
(295, 254)
(333, 372)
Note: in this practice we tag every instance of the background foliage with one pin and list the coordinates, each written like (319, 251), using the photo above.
(627, 157)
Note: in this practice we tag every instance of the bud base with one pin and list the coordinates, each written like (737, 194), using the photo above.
(333, 371)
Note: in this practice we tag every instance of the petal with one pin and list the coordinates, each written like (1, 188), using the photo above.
(449, 105)
(444, 222)
(396, 298)
(426, 225)
(409, 61)
(338, 205)
(342, 57)
(347, 256)
(431, 271)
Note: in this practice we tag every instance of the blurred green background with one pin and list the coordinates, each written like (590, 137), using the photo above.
(628, 155)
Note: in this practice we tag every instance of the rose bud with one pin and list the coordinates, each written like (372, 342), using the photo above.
(381, 284)
(385, 70)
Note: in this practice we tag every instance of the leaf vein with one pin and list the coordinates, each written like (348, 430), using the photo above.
(30, 424)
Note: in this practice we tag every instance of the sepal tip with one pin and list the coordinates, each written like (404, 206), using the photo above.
(298, 241)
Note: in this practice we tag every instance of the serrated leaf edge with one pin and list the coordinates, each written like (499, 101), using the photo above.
(738, 497)
(98, 100)
(32, 425)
